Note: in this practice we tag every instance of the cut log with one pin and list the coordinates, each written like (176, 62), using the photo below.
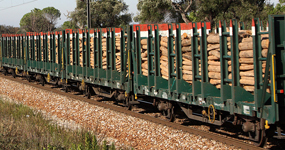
(249, 88)
(187, 55)
(215, 63)
(214, 53)
(213, 58)
(249, 73)
(186, 49)
(245, 33)
(189, 68)
(164, 51)
(246, 60)
(213, 39)
(214, 75)
(246, 40)
(245, 46)
(186, 72)
(188, 63)
(246, 54)
(186, 42)
(213, 47)
(246, 67)
(187, 77)
(264, 52)
(265, 43)
(213, 68)
(215, 81)
(144, 41)
(163, 44)
(246, 82)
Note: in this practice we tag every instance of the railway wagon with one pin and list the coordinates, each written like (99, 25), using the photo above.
(150, 62)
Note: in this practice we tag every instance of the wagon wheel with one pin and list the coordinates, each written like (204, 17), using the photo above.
(65, 87)
(170, 114)
(259, 136)
(5, 72)
(42, 81)
(13, 74)
(87, 92)
(28, 78)
(128, 100)
(262, 139)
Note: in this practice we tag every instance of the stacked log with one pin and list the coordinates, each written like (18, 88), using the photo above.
(104, 52)
(213, 49)
(186, 58)
(246, 61)
(144, 57)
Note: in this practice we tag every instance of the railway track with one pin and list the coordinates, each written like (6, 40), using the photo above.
(210, 135)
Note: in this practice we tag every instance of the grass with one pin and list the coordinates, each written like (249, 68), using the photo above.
(21, 128)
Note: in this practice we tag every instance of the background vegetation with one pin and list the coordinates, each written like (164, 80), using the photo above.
(21, 128)
(114, 13)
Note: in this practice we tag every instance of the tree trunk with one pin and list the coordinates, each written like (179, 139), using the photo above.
(184, 17)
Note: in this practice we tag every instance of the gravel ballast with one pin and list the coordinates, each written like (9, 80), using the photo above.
(124, 130)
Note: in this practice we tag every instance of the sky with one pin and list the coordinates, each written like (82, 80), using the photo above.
(11, 11)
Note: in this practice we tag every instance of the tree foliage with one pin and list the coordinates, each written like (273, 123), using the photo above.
(68, 25)
(107, 13)
(40, 20)
(242, 10)
(52, 15)
(153, 11)
(8, 30)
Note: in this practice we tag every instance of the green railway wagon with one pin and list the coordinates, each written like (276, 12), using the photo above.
(108, 62)
(12, 53)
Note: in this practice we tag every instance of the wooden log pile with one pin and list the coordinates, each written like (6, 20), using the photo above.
(186, 57)
(104, 52)
(245, 59)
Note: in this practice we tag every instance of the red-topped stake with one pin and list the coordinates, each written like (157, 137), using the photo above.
(253, 27)
(231, 28)
(220, 28)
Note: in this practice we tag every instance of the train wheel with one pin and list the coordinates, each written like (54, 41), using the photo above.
(13, 74)
(87, 92)
(170, 114)
(259, 136)
(262, 139)
(42, 81)
(66, 88)
(5, 72)
(128, 100)
(28, 78)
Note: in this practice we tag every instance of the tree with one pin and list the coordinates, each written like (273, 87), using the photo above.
(157, 11)
(107, 13)
(277, 10)
(52, 15)
(68, 25)
(34, 21)
(183, 7)
(8, 29)
(152, 11)
(242, 10)
(40, 20)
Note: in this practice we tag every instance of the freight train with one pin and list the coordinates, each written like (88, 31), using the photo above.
(173, 66)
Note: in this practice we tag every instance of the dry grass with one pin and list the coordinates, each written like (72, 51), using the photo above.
(21, 128)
